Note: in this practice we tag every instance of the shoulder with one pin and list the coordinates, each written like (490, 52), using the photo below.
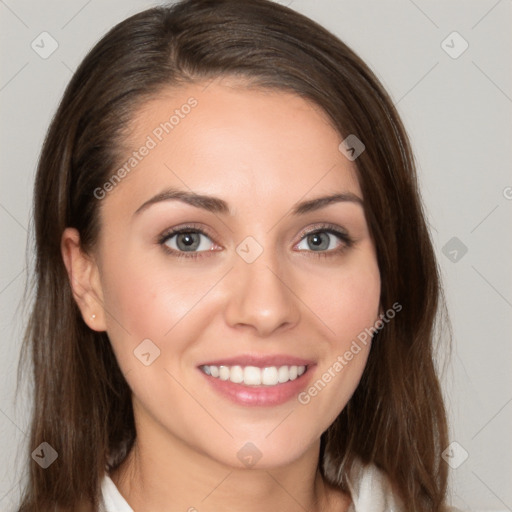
(372, 491)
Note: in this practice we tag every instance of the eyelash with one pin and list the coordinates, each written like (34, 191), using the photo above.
(347, 240)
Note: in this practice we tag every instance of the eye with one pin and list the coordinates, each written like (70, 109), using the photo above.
(325, 239)
(189, 241)
(186, 240)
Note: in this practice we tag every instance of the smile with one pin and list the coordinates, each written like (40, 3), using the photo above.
(254, 376)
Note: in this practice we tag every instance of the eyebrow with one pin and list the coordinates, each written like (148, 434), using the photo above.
(216, 205)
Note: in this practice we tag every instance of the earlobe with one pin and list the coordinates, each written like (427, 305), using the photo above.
(84, 279)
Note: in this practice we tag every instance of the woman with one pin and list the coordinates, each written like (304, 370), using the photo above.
(236, 288)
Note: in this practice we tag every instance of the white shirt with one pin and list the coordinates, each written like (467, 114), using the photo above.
(369, 487)
(111, 498)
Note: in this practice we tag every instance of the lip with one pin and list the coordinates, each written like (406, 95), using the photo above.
(260, 361)
(260, 396)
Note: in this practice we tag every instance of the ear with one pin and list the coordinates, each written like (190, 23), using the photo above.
(84, 278)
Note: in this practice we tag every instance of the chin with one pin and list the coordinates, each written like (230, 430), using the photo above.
(264, 453)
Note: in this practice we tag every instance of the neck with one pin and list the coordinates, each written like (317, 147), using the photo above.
(157, 475)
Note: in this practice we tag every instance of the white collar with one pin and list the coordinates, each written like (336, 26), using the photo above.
(111, 498)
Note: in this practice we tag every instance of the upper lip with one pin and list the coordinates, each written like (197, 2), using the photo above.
(260, 361)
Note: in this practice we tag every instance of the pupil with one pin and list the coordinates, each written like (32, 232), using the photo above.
(319, 240)
(188, 240)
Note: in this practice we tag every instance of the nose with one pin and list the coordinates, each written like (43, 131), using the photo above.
(261, 297)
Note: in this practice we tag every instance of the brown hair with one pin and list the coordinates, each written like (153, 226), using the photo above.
(82, 407)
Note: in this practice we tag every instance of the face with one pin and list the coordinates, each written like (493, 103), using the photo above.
(232, 292)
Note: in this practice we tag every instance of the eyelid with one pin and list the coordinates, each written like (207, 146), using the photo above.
(184, 228)
(326, 227)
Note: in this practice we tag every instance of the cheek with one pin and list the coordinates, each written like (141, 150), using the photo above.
(348, 300)
(348, 305)
(149, 291)
(145, 300)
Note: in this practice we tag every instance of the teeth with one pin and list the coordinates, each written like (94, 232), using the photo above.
(269, 376)
(236, 374)
(283, 374)
(254, 376)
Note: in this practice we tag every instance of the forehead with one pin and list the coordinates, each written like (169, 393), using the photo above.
(242, 144)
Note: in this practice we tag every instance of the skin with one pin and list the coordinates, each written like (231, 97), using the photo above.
(262, 152)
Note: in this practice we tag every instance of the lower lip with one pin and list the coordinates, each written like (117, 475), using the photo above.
(264, 396)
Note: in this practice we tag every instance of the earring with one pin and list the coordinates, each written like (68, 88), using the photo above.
(93, 316)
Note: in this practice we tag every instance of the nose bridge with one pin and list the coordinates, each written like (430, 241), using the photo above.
(259, 294)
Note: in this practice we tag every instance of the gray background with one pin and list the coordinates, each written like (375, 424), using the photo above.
(458, 114)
